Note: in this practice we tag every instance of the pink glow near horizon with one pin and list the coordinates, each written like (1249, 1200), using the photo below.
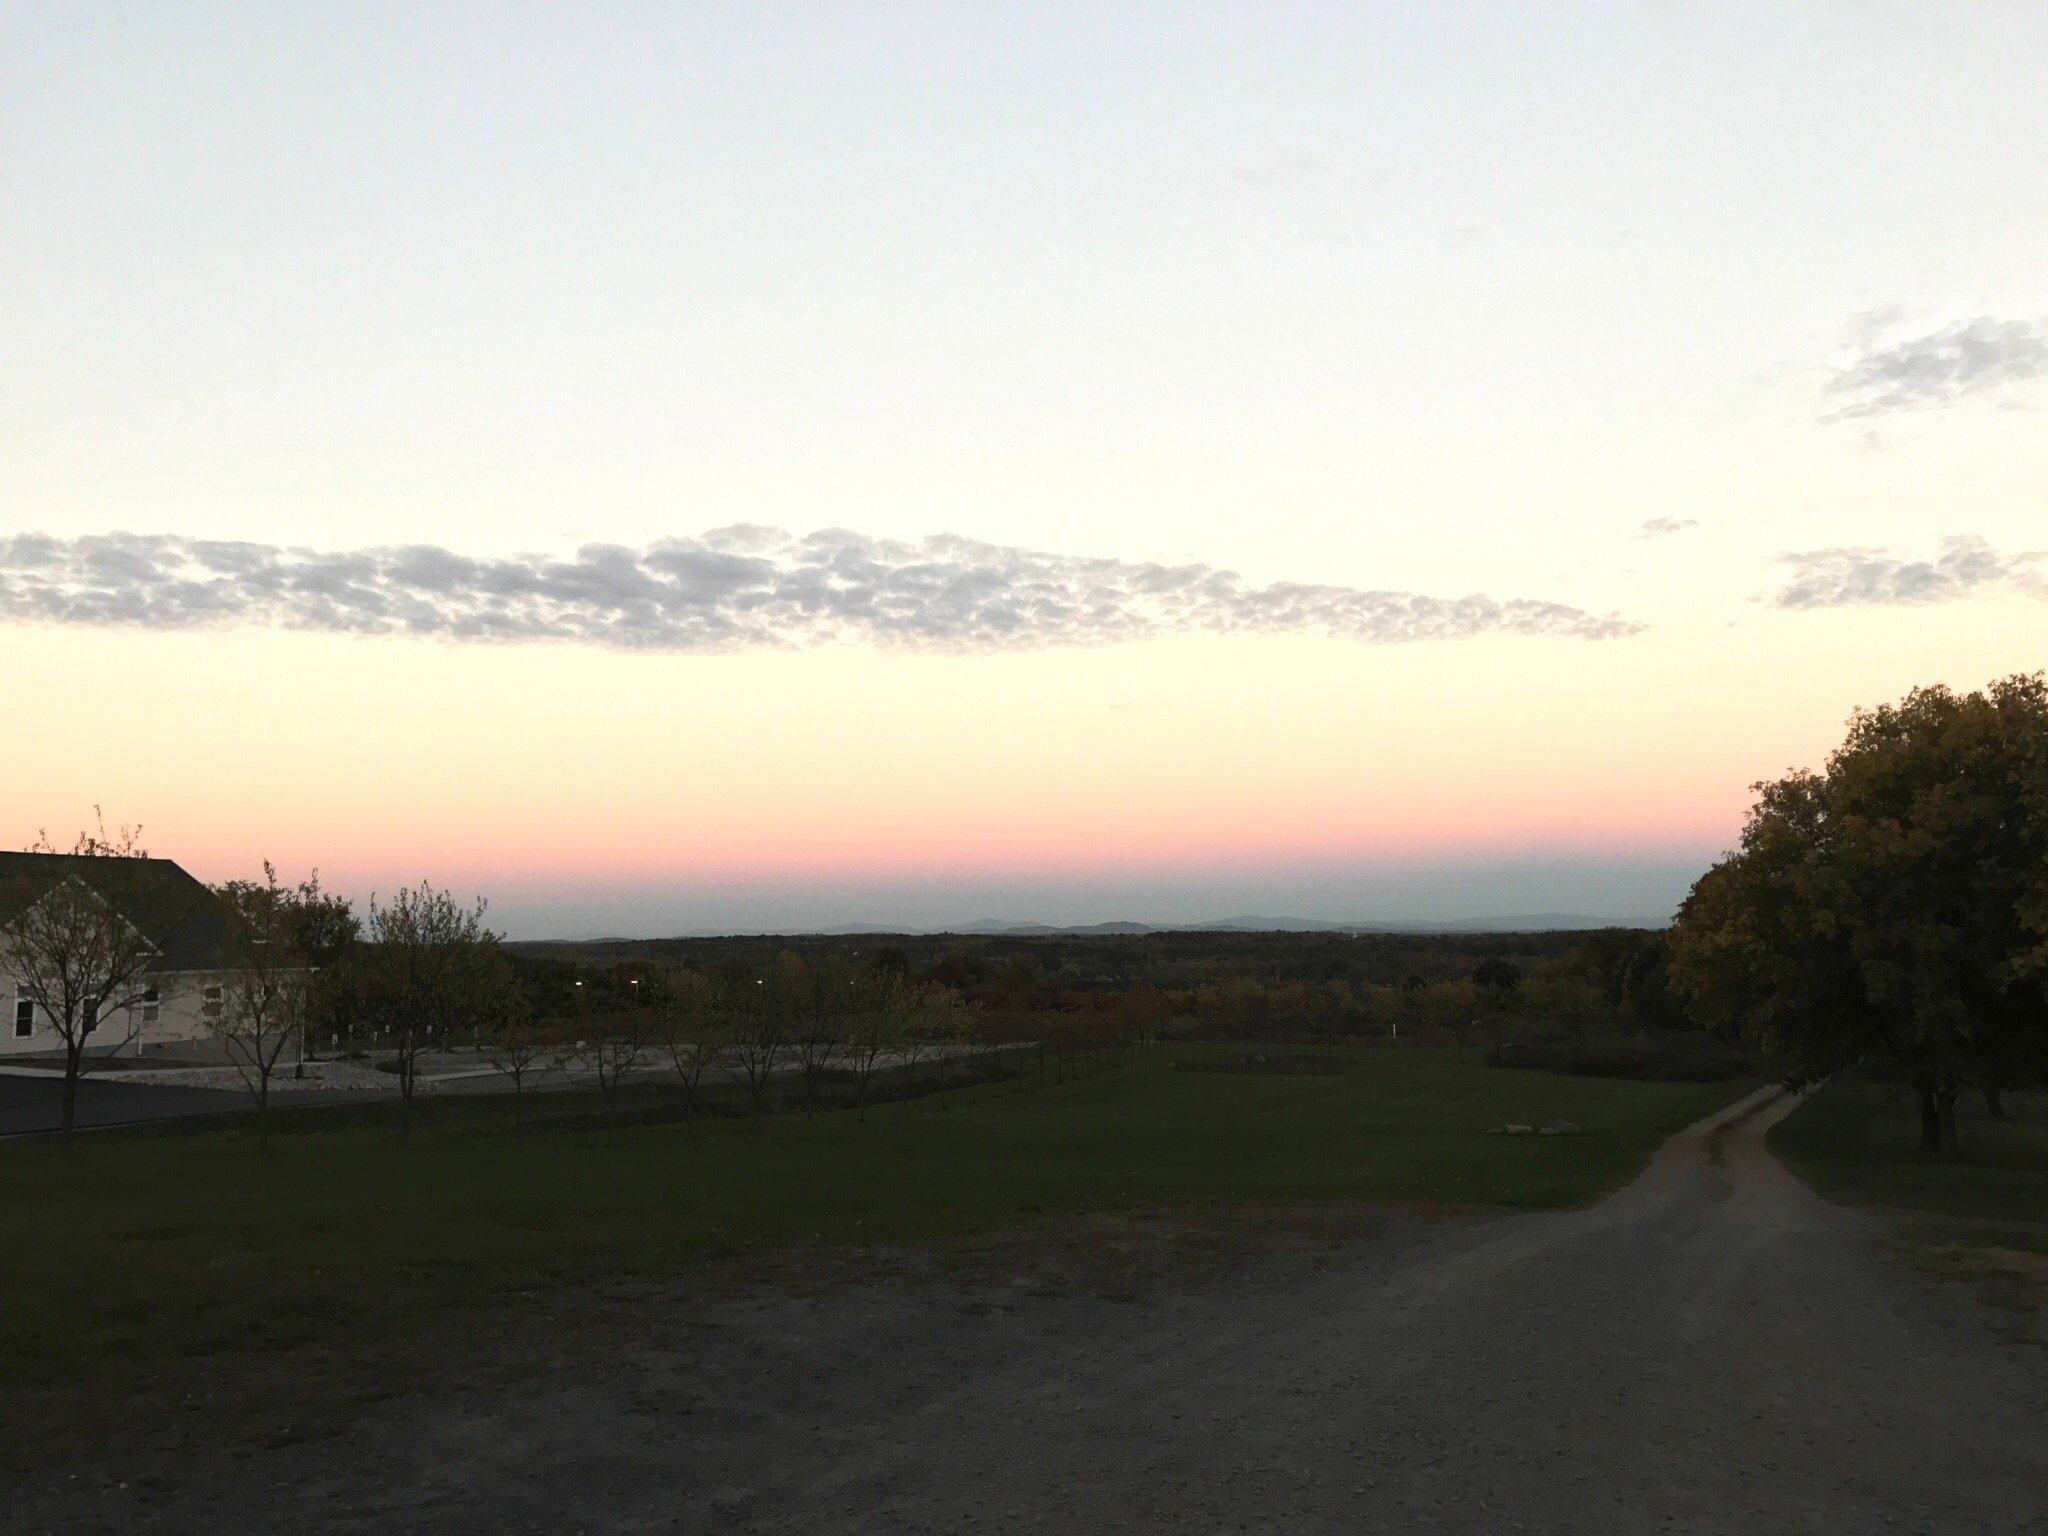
(747, 856)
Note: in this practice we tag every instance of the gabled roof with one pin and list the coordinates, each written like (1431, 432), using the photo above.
(21, 891)
(192, 929)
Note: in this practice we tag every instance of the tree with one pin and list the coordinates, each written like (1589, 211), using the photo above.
(1339, 1004)
(1497, 975)
(81, 954)
(1630, 970)
(616, 1044)
(328, 935)
(1234, 1006)
(1145, 1010)
(941, 1025)
(1892, 909)
(691, 1025)
(520, 1046)
(760, 1035)
(268, 990)
(933, 1021)
(1455, 1008)
(877, 1027)
(818, 1001)
(1566, 999)
(433, 974)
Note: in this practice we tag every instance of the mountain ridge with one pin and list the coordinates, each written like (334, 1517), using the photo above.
(996, 927)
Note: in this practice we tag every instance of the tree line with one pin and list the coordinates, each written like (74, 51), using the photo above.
(421, 971)
(1055, 971)
(1887, 912)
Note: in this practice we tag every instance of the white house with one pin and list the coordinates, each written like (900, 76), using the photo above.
(190, 929)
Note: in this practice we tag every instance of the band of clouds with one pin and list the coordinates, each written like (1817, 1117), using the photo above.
(737, 587)
(1966, 566)
(1984, 356)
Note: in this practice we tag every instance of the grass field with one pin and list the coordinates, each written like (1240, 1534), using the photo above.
(1855, 1142)
(142, 1271)
(1980, 1218)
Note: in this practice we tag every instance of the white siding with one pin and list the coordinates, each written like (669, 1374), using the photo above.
(180, 1017)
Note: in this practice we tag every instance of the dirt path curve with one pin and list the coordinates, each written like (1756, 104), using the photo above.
(1713, 1349)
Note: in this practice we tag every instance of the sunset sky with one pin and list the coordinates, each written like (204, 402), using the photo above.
(677, 467)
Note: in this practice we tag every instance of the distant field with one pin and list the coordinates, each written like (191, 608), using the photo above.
(147, 1271)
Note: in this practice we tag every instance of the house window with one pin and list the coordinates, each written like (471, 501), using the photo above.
(212, 1001)
(152, 1005)
(24, 1016)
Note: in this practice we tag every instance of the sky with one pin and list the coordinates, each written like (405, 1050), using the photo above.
(757, 467)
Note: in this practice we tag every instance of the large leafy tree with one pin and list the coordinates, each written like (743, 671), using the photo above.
(432, 975)
(1892, 909)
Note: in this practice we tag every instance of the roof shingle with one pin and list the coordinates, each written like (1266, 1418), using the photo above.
(191, 927)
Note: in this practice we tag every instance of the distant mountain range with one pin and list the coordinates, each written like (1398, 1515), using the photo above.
(996, 927)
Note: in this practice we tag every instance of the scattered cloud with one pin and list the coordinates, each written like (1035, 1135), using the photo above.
(1984, 357)
(1658, 527)
(733, 587)
(1966, 566)
(1866, 329)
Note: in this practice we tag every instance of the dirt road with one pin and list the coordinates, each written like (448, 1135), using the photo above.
(1711, 1350)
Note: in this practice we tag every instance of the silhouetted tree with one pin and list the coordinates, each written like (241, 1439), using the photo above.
(615, 1044)
(692, 1019)
(1893, 908)
(760, 1035)
(268, 991)
(432, 975)
(522, 1047)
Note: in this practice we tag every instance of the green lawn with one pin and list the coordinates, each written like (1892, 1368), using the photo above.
(1855, 1142)
(143, 1270)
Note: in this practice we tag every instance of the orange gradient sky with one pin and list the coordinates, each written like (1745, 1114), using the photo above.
(1713, 332)
(1178, 777)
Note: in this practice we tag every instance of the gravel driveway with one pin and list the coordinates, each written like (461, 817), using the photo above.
(1713, 1349)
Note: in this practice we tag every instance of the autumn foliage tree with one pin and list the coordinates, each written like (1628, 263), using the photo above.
(1892, 909)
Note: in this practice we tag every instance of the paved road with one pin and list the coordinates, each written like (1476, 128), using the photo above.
(37, 1103)
(34, 1100)
(1713, 1350)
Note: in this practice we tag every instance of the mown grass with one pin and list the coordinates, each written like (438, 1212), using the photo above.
(141, 1271)
(1855, 1141)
